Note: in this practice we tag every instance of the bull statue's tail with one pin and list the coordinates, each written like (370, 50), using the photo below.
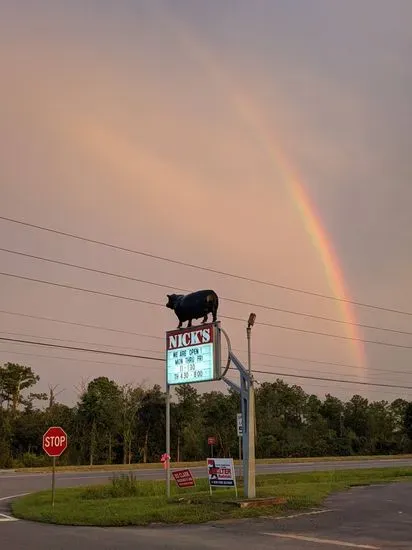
(213, 298)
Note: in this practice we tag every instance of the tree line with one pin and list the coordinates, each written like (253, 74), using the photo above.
(114, 424)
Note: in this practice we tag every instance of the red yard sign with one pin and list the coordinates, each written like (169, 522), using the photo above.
(211, 440)
(184, 478)
(55, 441)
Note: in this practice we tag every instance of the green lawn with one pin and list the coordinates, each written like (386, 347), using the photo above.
(107, 505)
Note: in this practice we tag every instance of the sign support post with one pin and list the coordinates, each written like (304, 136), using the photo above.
(53, 479)
(168, 439)
(251, 481)
(239, 428)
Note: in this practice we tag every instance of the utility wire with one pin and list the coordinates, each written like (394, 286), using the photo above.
(72, 360)
(339, 380)
(203, 268)
(79, 324)
(271, 373)
(145, 335)
(90, 350)
(82, 342)
(132, 365)
(261, 323)
(88, 343)
(233, 300)
(326, 363)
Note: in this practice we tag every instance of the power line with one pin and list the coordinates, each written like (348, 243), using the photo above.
(129, 298)
(78, 324)
(132, 365)
(145, 335)
(271, 373)
(233, 300)
(203, 268)
(80, 289)
(326, 363)
(79, 342)
(261, 323)
(82, 342)
(89, 350)
(339, 380)
(71, 359)
(308, 369)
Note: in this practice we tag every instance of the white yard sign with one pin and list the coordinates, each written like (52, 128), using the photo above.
(221, 473)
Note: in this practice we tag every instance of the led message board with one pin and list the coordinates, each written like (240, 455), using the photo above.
(193, 354)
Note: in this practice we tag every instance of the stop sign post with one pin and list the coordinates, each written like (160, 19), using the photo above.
(54, 445)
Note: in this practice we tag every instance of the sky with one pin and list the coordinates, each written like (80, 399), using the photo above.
(188, 130)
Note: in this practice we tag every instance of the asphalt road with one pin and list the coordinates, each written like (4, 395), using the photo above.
(17, 483)
(369, 518)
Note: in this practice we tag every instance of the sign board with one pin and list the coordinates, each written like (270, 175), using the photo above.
(221, 472)
(239, 421)
(211, 440)
(193, 354)
(184, 478)
(55, 441)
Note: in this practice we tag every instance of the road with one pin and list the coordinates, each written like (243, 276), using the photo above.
(367, 518)
(17, 483)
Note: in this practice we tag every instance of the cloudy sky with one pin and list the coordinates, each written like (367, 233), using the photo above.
(184, 129)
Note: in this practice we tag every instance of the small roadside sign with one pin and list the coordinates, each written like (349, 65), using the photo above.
(183, 478)
(239, 422)
(221, 473)
(211, 440)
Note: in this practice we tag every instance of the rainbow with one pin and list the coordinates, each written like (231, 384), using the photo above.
(312, 223)
(248, 113)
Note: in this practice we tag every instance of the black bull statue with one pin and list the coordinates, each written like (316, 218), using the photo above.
(194, 306)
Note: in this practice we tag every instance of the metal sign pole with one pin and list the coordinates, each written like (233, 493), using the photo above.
(168, 439)
(251, 483)
(53, 480)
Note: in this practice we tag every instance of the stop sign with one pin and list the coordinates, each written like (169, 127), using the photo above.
(55, 441)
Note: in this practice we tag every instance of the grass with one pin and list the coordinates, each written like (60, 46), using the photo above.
(158, 465)
(128, 501)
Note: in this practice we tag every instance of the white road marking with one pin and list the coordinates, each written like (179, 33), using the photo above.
(5, 517)
(331, 542)
(292, 516)
(14, 496)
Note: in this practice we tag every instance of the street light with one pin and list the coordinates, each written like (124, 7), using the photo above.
(251, 321)
(251, 481)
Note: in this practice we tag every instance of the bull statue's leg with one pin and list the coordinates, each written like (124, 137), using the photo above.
(189, 323)
(214, 313)
(204, 320)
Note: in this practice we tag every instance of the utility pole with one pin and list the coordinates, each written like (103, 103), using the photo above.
(250, 487)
